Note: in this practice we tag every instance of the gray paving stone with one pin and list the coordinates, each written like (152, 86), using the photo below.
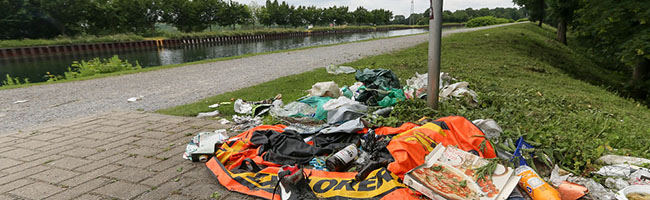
(15, 184)
(131, 174)
(45, 136)
(37, 190)
(69, 162)
(138, 161)
(145, 151)
(81, 179)
(6, 162)
(73, 192)
(80, 152)
(122, 190)
(18, 153)
(54, 175)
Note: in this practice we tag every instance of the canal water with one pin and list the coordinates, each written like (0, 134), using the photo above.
(34, 68)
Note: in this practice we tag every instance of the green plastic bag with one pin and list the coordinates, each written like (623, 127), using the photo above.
(317, 102)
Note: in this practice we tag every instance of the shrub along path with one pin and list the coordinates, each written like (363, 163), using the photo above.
(177, 86)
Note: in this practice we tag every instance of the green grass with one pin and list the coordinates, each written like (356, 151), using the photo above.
(70, 40)
(530, 84)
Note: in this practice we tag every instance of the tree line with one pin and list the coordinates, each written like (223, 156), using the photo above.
(51, 18)
(460, 16)
(614, 32)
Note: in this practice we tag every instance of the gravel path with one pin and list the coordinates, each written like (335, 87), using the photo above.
(52, 103)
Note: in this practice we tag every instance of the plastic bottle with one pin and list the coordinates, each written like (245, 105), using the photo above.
(536, 188)
(341, 159)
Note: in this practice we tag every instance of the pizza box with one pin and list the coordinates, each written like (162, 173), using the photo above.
(449, 173)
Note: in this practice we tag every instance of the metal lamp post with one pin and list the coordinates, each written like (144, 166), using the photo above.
(435, 33)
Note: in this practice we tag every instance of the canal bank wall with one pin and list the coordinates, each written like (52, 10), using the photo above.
(162, 43)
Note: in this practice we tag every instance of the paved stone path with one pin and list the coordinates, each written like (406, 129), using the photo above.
(113, 155)
(181, 85)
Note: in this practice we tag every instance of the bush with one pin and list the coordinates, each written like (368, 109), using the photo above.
(95, 66)
(9, 81)
(486, 21)
(522, 20)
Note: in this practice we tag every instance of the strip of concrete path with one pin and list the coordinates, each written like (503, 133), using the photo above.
(53, 103)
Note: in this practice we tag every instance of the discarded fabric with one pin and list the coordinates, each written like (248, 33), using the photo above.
(333, 69)
(378, 78)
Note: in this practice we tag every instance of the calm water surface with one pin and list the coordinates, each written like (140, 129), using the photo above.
(35, 68)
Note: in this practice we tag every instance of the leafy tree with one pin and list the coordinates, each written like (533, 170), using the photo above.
(296, 16)
(563, 11)
(313, 15)
(362, 16)
(233, 13)
(399, 19)
(535, 8)
(14, 16)
(381, 16)
(619, 30)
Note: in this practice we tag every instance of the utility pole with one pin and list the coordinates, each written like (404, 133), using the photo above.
(435, 33)
(411, 18)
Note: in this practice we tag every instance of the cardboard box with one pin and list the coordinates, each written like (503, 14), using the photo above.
(449, 173)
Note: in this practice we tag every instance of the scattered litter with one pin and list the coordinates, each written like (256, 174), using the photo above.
(318, 163)
(634, 192)
(616, 183)
(134, 99)
(618, 170)
(490, 127)
(243, 107)
(208, 114)
(333, 69)
(245, 122)
(616, 159)
(351, 126)
(20, 101)
(216, 105)
(204, 144)
(445, 164)
(571, 191)
(223, 121)
(325, 89)
(640, 177)
(458, 90)
(535, 186)
(293, 109)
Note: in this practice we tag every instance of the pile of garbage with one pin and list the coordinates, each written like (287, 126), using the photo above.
(324, 149)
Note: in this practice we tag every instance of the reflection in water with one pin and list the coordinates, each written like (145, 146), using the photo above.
(35, 67)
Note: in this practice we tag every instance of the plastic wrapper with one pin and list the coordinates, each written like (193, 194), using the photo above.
(557, 179)
(458, 90)
(325, 89)
(208, 114)
(640, 177)
(333, 69)
(243, 107)
(490, 127)
(618, 170)
(245, 122)
(596, 190)
(616, 183)
(202, 146)
(293, 109)
(616, 159)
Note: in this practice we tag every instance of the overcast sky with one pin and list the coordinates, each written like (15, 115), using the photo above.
(399, 7)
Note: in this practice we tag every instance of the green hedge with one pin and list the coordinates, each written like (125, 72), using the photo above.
(486, 21)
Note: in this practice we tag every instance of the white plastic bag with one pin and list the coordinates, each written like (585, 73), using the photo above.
(333, 69)
(325, 89)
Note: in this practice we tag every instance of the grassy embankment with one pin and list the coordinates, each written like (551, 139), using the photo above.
(530, 84)
(133, 37)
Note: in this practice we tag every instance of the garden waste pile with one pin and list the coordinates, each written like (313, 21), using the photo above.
(328, 148)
